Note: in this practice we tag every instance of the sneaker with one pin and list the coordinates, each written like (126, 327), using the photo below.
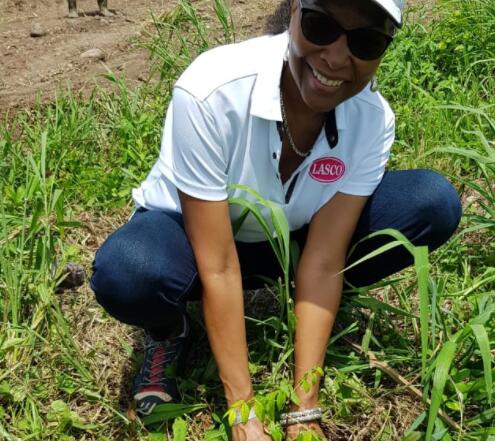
(155, 383)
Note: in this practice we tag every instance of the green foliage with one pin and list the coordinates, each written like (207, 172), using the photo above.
(278, 234)
(433, 72)
(484, 160)
(65, 419)
(179, 429)
(167, 411)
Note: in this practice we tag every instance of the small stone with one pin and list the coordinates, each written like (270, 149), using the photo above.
(95, 53)
(74, 276)
(37, 30)
(106, 13)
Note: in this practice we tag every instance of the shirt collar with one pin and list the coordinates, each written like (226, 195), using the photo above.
(265, 99)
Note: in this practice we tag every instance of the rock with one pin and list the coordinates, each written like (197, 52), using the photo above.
(74, 276)
(95, 53)
(106, 13)
(37, 30)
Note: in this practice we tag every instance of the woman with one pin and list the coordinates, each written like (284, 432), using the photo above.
(294, 117)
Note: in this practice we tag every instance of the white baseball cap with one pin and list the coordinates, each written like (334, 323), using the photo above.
(393, 8)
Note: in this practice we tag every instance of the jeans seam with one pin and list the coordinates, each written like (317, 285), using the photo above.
(189, 287)
(179, 303)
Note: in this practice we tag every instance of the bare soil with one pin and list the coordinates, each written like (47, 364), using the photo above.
(40, 66)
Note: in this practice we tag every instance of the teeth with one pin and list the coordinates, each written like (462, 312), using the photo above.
(326, 81)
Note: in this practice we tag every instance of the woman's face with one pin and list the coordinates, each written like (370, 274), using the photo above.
(328, 75)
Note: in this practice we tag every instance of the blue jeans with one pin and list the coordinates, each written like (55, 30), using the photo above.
(145, 271)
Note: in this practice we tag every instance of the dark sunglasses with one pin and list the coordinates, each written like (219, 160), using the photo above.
(321, 28)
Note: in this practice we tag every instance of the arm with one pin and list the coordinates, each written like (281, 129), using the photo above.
(209, 230)
(192, 152)
(319, 287)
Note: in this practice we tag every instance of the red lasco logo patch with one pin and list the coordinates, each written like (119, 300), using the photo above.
(327, 169)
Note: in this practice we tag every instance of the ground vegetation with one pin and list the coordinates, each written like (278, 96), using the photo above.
(411, 358)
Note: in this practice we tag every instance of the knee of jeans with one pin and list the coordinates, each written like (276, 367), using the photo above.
(118, 284)
(439, 206)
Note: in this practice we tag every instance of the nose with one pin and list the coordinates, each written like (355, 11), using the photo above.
(337, 54)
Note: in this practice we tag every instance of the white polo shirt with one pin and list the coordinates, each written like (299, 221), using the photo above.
(221, 129)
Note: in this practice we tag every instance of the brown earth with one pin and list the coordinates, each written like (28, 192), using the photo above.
(31, 66)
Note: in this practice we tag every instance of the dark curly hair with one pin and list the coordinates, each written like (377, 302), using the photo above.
(279, 21)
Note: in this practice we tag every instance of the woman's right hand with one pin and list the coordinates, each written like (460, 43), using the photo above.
(253, 430)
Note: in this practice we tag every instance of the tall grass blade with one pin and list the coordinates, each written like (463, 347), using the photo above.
(280, 242)
(225, 18)
(483, 341)
(167, 411)
(443, 364)
(422, 266)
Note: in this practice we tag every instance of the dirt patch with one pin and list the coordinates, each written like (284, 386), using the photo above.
(45, 64)
(42, 65)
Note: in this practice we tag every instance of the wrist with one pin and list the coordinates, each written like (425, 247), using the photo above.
(237, 392)
(243, 419)
(307, 389)
(307, 400)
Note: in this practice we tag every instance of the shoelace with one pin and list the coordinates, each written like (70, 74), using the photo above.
(161, 354)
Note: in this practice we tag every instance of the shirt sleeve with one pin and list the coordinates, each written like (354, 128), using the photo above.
(192, 156)
(367, 175)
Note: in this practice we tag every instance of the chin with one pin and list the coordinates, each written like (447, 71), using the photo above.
(323, 104)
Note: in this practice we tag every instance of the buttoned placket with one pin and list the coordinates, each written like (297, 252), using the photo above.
(276, 153)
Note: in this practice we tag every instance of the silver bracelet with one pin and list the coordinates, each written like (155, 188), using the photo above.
(301, 416)
(238, 418)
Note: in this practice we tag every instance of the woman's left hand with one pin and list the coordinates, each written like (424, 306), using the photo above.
(294, 429)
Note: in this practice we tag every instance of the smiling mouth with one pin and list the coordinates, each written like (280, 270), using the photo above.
(326, 81)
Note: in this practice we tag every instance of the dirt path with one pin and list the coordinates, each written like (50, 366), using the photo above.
(31, 65)
(45, 64)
